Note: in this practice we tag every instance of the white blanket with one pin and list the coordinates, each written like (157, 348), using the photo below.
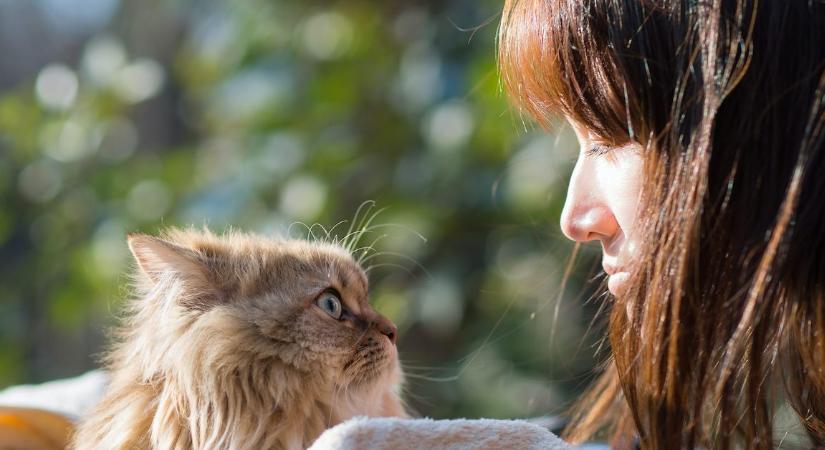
(417, 434)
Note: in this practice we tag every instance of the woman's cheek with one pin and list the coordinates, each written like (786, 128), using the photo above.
(621, 175)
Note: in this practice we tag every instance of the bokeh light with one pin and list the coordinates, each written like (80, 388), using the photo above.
(272, 116)
(56, 87)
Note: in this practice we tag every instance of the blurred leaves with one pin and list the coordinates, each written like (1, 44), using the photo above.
(259, 114)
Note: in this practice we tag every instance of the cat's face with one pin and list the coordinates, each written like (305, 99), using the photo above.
(303, 304)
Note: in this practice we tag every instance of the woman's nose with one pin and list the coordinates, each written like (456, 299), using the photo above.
(586, 215)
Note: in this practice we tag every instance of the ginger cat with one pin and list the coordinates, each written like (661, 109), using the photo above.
(241, 342)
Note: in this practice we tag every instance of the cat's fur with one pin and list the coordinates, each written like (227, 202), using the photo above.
(223, 347)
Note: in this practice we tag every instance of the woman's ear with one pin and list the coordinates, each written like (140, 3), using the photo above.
(158, 258)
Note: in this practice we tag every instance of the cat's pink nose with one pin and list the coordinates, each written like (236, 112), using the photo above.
(387, 328)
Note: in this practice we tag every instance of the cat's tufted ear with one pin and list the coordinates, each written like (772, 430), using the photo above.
(157, 258)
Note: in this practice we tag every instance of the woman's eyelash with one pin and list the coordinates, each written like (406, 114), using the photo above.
(597, 150)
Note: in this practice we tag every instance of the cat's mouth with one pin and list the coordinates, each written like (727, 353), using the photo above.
(370, 360)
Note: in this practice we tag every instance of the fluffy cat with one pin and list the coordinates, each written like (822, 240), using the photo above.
(241, 342)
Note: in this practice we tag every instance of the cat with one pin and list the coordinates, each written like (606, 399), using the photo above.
(237, 341)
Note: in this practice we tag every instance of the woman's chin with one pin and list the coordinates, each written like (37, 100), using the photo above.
(617, 283)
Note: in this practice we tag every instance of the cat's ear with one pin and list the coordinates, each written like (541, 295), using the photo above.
(158, 258)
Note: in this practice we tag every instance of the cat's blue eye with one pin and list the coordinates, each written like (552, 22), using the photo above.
(331, 304)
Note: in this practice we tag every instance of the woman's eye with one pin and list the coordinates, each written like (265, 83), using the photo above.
(330, 303)
(597, 150)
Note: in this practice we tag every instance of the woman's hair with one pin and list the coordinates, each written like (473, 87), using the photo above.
(725, 317)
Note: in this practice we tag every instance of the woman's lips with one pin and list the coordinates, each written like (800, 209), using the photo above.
(617, 279)
(609, 269)
(617, 283)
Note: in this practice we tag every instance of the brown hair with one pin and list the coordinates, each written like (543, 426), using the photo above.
(727, 303)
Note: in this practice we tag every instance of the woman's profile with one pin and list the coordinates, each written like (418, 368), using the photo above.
(702, 133)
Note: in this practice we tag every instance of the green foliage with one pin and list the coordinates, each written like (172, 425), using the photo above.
(261, 114)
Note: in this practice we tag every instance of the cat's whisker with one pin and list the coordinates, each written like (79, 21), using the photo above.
(356, 222)
(408, 366)
(470, 358)
(362, 224)
(367, 224)
(369, 216)
(341, 390)
(372, 245)
(432, 379)
(349, 240)
(398, 255)
(365, 248)
(353, 238)
(334, 238)
(368, 228)
(358, 341)
(325, 238)
(398, 225)
(307, 227)
(333, 404)
(311, 230)
(345, 240)
(397, 266)
(409, 393)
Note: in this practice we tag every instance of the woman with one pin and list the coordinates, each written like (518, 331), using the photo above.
(702, 133)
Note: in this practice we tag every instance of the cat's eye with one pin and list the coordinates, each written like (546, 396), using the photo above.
(331, 304)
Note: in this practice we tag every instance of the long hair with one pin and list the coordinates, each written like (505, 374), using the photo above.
(724, 318)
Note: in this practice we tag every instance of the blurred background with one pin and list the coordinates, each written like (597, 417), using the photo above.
(134, 115)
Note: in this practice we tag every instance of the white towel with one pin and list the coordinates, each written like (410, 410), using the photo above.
(362, 433)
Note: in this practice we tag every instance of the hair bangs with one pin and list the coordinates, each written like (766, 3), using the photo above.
(555, 59)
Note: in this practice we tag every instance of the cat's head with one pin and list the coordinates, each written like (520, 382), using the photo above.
(244, 299)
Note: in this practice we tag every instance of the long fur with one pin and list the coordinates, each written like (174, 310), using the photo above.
(222, 347)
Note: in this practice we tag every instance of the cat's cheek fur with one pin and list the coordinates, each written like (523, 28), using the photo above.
(380, 398)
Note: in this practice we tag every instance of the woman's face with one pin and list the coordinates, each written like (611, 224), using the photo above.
(602, 201)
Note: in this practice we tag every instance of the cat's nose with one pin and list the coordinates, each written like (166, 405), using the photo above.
(386, 327)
